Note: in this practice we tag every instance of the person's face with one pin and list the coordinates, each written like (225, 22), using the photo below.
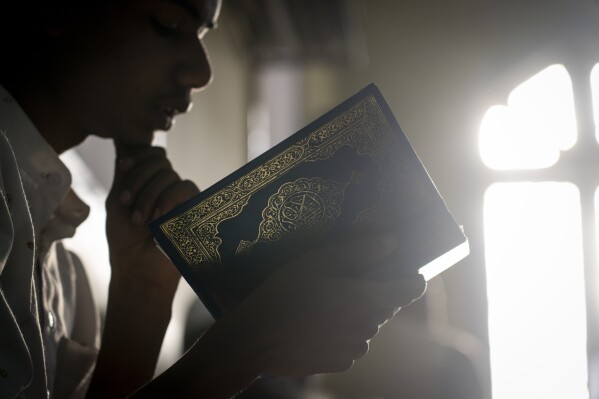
(135, 70)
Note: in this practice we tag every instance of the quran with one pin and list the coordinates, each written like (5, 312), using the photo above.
(352, 169)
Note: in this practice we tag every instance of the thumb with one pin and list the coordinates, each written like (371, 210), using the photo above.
(351, 256)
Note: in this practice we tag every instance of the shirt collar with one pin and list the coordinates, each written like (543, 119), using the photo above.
(46, 178)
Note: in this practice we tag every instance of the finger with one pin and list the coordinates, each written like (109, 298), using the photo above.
(366, 248)
(140, 176)
(161, 195)
(364, 328)
(175, 195)
(146, 199)
(341, 353)
(320, 357)
(128, 157)
(332, 366)
(358, 324)
(350, 350)
(301, 366)
(353, 254)
(382, 316)
(373, 294)
(400, 293)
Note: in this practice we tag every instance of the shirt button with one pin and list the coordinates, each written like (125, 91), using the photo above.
(51, 320)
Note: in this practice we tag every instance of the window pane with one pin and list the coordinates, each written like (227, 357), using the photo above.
(537, 123)
(535, 282)
(595, 91)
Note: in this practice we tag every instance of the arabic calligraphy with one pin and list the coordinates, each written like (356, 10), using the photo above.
(299, 207)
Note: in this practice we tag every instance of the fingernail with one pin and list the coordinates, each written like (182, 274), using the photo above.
(125, 163)
(136, 217)
(125, 197)
(418, 288)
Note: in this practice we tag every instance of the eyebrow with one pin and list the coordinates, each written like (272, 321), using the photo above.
(195, 13)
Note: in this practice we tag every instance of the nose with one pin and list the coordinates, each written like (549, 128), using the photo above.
(194, 71)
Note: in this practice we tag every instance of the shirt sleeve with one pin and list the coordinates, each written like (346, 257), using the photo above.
(71, 331)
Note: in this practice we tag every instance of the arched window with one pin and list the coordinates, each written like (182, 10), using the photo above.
(534, 241)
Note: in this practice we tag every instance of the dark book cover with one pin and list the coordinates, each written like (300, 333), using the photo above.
(352, 170)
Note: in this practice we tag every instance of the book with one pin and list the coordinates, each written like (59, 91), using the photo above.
(352, 171)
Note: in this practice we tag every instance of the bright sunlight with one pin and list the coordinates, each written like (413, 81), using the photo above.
(533, 247)
(535, 282)
(537, 123)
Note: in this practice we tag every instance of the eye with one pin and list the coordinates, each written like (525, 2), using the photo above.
(166, 30)
(171, 21)
(167, 21)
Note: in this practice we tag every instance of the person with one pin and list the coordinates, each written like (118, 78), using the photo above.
(123, 70)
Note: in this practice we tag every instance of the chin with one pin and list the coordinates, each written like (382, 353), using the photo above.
(139, 138)
(128, 136)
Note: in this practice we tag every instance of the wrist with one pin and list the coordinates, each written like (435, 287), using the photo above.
(126, 283)
(137, 316)
(227, 359)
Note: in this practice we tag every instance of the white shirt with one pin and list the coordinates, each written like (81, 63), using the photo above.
(49, 331)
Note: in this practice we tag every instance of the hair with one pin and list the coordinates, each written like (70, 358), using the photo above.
(27, 32)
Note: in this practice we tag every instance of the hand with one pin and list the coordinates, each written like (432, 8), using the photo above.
(309, 317)
(143, 281)
(145, 186)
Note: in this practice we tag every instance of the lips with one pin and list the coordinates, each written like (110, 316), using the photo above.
(173, 109)
(168, 111)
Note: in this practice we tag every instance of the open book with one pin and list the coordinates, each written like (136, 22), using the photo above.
(352, 171)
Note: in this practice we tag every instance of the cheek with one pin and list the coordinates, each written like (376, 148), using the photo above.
(144, 68)
(134, 58)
